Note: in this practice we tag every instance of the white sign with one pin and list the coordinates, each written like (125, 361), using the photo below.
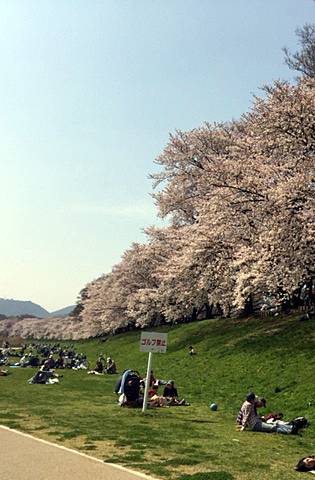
(153, 342)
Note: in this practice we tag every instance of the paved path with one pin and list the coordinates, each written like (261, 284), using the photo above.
(27, 458)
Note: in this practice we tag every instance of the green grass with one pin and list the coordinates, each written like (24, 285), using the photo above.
(272, 356)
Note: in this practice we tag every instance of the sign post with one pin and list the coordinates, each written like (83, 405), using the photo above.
(153, 343)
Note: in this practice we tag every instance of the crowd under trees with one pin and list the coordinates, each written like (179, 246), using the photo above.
(240, 202)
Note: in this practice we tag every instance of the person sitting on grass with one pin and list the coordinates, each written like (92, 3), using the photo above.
(259, 402)
(111, 366)
(34, 361)
(156, 400)
(253, 422)
(59, 361)
(192, 350)
(152, 379)
(310, 312)
(306, 464)
(24, 362)
(44, 374)
(99, 366)
(153, 390)
(170, 393)
(51, 361)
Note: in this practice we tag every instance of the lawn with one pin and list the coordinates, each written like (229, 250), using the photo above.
(272, 356)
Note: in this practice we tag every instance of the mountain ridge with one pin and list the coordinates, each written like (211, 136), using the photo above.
(11, 308)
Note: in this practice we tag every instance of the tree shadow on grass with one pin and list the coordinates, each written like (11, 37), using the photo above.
(207, 476)
(189, 420)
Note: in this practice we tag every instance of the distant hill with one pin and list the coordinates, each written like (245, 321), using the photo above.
(12, 308)
(62, 312)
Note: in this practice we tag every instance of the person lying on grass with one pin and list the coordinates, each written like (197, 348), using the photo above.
(3, 358)
(306, 464)
(94, 372)
(44, 374)
(251, 420)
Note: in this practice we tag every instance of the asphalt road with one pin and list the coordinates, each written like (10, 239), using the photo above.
(27, 458)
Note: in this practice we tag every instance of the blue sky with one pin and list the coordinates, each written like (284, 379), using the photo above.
(89, 92)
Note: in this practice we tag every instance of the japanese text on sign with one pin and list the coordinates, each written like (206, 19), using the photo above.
(153, 342)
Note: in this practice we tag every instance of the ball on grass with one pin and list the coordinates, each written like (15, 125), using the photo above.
(213, 406)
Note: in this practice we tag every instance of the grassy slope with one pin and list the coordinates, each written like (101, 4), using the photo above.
(272, 356)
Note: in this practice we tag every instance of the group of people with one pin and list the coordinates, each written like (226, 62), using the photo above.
(41, 357)
(33, 360)
(248, 418)
(168, 398)
(131, 389)
(46, 373)
(38, 354)
(100, 369)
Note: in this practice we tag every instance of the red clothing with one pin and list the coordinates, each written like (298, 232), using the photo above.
(152, 392)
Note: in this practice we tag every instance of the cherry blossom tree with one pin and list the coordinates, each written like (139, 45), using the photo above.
(282, 134)
(240, 200)
(248, 195)
(303, 61)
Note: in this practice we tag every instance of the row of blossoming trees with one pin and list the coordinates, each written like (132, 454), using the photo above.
(241, 202)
